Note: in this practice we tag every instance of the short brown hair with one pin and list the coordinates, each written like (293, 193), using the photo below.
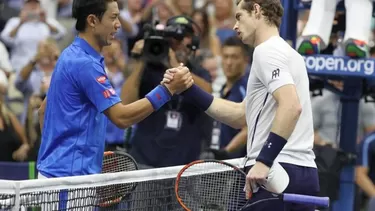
(271, 9)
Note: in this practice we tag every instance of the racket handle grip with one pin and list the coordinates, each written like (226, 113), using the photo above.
(304, 199)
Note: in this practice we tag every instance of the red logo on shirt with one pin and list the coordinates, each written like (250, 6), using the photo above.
(158, 96)
(112, 91)
(101, 79)
(109, 92)
(106, 93)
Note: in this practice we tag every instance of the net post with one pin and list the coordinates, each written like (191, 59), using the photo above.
(18, 197)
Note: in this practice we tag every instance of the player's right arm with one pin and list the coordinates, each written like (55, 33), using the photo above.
(123, 116)
(93, 82)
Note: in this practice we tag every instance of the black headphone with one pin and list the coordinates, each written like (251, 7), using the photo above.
(190, 26)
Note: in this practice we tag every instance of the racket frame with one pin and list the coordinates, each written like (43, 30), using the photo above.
(239, 170)
(112, 202)
(178, 178)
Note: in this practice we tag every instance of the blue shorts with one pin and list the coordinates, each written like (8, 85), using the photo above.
(303, 180)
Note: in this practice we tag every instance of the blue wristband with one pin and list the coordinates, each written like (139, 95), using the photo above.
(158, 96)
(271, 149)
(199, 97)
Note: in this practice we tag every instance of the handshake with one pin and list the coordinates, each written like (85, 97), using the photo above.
(177, 79)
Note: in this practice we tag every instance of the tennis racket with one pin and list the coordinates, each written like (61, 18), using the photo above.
(217, 185)
(116, 161)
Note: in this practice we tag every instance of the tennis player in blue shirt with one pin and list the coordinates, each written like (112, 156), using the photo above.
(81, 97)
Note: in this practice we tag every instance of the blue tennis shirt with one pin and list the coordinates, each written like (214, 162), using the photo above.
(73, 136)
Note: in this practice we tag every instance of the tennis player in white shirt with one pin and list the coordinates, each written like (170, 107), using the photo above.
(277, 108)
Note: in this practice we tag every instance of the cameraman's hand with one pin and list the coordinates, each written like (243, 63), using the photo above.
(138, 47)
(181, 79)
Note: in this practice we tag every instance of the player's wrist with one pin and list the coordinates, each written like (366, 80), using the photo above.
(200, 98)
(159, 96)
(271, 149)
(169, 89)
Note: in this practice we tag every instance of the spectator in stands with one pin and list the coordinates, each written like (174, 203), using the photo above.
(34, 77)
(156, 10)
(13, 141)
(173, 135)
(208, 38)
(179, 7)
(5, 65)
(114, 60)
(135, 14)
(164, 12)
(232, 142)
(23, 33)
(365, 170)
(223, 19)
(64, 8)
(129, 19)
(327, 118)
(211, 63)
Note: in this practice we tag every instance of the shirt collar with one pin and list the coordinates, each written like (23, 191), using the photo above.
(88, 48)
(235, 86)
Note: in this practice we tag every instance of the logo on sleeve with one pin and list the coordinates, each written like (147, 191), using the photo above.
(112, 91)
(101, 79)
(276, 73)
(109, 92)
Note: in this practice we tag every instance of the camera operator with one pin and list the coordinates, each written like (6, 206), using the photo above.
(174, 134)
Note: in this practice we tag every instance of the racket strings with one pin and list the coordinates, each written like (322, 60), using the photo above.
(212, 186)
(112, 194)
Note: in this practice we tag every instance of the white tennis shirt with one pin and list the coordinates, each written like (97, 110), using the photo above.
(275, 64)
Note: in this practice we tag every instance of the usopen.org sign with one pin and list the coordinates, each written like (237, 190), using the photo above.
(328, 65)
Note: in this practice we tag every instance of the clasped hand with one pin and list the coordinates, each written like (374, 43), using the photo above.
(177, 79)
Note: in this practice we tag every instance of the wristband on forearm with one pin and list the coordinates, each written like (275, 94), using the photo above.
(200, 98)
(159, 96)
(271, 149)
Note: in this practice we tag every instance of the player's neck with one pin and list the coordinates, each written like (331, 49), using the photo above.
(90, 39)
(265, 32)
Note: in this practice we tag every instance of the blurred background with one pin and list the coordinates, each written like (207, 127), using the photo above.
(33, 34)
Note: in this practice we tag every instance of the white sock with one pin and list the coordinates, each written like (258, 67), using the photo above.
(358, 19)
(322, 13)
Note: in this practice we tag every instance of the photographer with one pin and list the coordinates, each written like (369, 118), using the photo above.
(174, 134)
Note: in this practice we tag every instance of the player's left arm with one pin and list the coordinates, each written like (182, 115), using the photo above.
(287, 112)
(275, 75)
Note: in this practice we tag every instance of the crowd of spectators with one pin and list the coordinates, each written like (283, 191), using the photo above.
(33, 34)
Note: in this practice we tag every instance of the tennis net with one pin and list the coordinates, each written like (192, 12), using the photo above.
(141, 190)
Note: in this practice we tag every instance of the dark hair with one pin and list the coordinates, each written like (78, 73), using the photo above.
(272, 10)
(83, 8)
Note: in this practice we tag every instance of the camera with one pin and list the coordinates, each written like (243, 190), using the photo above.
(157, 38)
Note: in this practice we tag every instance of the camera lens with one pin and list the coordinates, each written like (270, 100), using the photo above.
(156, 49)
